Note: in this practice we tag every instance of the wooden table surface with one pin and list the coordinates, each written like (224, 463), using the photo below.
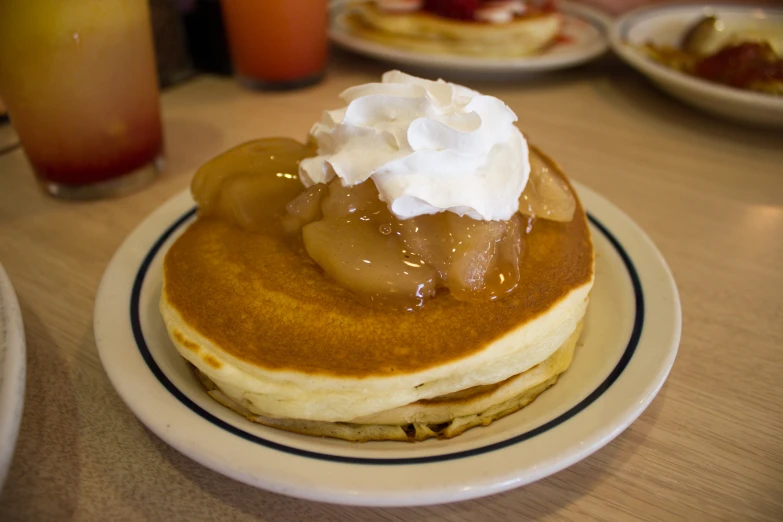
(708, 192)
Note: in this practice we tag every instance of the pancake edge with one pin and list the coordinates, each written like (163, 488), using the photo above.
(414, 429)
(287, 394)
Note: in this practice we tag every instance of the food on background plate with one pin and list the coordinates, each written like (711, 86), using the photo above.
(412, 271)
(491, 28)
(743, 56)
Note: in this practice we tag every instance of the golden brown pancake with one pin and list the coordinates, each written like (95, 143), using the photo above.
(284, 344)
(271, 306)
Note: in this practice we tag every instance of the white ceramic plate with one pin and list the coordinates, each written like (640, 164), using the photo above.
(12, 372)
(585, 31)
(631, 335)
(666, 25)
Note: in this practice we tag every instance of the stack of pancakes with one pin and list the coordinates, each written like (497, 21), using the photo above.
(421, 31)
(276, 340)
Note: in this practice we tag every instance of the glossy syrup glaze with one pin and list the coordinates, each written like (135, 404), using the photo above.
(356, 240)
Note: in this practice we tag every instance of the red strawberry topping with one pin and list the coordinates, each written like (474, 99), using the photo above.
(459, 9)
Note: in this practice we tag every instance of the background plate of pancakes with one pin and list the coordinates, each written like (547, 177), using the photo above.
(630, 339)
(583, 37)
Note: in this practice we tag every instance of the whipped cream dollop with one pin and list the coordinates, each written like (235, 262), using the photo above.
(429, 147)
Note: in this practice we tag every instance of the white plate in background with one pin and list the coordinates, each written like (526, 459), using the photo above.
(666, 25)
(12, 372)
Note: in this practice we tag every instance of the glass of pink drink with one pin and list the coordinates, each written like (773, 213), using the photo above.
(78, 78)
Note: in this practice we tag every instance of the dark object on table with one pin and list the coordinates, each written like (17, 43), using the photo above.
(171, 56)
(205, 36)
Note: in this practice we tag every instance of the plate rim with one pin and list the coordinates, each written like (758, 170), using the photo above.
(316, 491)
(474, 64)
(13, 369)
(620, 28)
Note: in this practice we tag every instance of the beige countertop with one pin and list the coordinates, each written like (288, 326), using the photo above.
(708, 192)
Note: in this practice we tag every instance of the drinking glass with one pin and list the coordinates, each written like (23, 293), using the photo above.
(78, 78)
(277, 44)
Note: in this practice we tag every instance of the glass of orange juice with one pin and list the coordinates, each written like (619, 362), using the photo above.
(78, 78)
(277, 44)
